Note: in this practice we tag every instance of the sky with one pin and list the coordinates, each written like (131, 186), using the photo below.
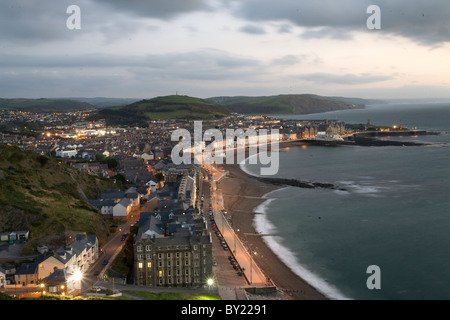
(207, 48)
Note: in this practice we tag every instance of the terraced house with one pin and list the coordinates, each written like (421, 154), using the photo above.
(182, 258)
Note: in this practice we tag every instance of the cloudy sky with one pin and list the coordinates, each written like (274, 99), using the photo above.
(205, 48)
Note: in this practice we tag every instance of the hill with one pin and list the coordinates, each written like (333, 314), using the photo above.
(287, 104)
(102, 102)
(161, 108)
(45, 105)
(48, 198)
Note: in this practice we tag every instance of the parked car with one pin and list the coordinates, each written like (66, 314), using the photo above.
(105, 262)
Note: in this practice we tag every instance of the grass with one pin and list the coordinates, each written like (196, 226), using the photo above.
(141, 294)
(44, 197)
(49, 296)
(172, 295)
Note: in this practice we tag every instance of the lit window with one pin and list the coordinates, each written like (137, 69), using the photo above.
(140, 265)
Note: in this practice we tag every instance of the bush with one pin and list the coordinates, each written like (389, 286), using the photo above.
(43, 160)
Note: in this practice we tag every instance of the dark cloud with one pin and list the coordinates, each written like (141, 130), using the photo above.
(33, 21)
(426, 22)
(345, 79)
(159, 9)
(287, 60)
(327, 33)
(250, 29)
(38, 76)
(205, 64)
(284, 28)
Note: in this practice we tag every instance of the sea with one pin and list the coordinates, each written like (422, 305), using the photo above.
(392, 210)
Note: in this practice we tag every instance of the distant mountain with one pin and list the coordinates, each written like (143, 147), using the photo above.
(45, 105)
(160, 108)
(287, 104)
(129, 111)
(103, 102)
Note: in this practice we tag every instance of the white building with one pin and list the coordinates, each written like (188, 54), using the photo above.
(66, 153)
(123, 208)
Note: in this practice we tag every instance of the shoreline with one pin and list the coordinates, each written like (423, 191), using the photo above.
(242, 195)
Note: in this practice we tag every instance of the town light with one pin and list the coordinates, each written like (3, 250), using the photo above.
(77, 276)
(210, 282)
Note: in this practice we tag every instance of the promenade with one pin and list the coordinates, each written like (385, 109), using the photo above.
(244, 257)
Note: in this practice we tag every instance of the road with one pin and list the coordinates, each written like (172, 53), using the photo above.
(227, 279)
(108, 252)
(241, 254)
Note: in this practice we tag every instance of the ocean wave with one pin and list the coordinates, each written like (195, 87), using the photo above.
(341, 192)
(262, 225)
(368, 190)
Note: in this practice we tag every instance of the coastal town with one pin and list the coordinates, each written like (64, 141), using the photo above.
(176, 219)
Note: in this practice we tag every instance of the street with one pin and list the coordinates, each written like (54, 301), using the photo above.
(108, 252)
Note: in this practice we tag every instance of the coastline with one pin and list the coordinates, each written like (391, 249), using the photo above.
(242, 195)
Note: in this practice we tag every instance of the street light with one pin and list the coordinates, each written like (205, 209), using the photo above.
(77, 276)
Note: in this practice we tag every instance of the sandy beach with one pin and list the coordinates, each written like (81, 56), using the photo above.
(242, 193)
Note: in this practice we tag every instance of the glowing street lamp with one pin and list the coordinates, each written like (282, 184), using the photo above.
(77, 276)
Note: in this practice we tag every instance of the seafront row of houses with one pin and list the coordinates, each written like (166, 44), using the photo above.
(153, 142)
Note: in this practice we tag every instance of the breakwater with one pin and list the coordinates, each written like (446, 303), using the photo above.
(299, 183)
(372, 138)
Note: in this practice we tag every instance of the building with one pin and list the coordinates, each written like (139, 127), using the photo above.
(171, 259)
(66, 153)
(123, 208)
(26, 274)
(62, 283)
(78, 256)
(2, 278)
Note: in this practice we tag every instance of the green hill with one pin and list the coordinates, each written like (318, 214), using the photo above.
(45, 105)
(287, 104)
(48, 198)
(161, 108)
